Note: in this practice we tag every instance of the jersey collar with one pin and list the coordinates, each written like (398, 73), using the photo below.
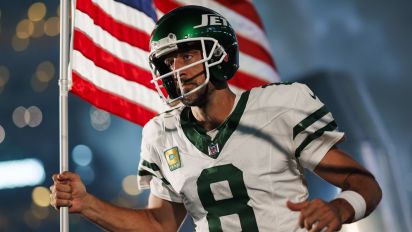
(197, 135)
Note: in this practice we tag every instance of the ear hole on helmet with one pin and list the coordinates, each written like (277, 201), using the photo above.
(218, 51)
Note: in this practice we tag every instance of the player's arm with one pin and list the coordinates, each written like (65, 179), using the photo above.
(161, 215)
(341, 170)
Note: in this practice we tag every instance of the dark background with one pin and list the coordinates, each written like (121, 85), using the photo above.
(353, 54)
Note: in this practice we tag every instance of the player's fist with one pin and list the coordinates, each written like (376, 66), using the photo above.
(317, 215)
(68, 191)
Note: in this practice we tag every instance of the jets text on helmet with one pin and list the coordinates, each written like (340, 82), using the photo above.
(212, 20)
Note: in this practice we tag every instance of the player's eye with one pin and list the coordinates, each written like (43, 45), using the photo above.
(187, 57)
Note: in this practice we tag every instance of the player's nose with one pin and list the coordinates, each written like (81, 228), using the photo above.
(177, 64)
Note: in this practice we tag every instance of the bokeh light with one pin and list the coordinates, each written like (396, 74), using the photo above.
(24, 29)
(37, 11)
(21, 173)
(129, 185)
(26, 117)
(19, 44)
(2, 134)
(41, 196)
(82, 155)
(33, 116)
(18, 117)
(100, 119)
(45, 71)
(52, 26)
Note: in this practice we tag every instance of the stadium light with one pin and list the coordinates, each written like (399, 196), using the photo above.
(21, 173)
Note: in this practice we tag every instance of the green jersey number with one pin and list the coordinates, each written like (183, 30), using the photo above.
(236, 205)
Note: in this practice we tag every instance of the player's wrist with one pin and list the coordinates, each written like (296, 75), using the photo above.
(88, 201)
(354, 203)
(344, 209)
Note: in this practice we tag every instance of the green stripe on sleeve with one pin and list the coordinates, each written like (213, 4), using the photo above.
(147, 173)
(152, 166)
(330, 127)
(309, 120)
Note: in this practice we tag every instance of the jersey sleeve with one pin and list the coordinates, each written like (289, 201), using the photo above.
(314, 130)
(150, 174)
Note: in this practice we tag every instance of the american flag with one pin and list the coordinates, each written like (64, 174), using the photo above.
(111, 44)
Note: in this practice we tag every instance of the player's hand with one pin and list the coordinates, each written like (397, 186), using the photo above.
(317, 215)
(68, 190)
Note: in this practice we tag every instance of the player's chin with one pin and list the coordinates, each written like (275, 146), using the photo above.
(194, 99)
(189, 100)
(197, 98)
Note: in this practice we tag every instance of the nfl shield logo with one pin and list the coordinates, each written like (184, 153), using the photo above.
(213, 149)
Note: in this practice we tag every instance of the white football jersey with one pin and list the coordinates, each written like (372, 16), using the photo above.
(241, 179)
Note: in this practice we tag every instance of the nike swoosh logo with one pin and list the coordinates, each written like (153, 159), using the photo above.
(313, 96)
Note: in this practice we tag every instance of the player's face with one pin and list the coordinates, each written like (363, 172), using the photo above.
(190, 77)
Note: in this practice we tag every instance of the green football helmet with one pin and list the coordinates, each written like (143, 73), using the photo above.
(192, 27)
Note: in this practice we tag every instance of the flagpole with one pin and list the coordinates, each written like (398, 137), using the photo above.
(63, 106)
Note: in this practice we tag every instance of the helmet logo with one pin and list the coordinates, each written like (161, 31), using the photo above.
(212, 20)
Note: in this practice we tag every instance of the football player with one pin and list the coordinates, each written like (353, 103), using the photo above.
(233, 162)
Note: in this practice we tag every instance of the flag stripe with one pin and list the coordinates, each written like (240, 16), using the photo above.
(105, 100)
(121, 31)
(116, 85)
(165, 6)
(254, 67)
(127, 15)
(244, 8)
(105, 60)
(255, 50)
(142, 6)
(120, 49)
(246, 81)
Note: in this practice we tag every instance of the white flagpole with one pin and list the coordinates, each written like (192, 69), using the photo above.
(63, 106)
